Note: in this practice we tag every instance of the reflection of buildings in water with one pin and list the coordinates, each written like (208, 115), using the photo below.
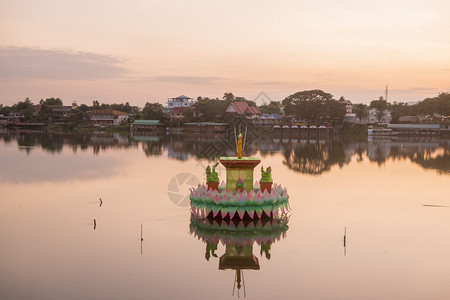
(239, 237)
(350, 149)
(55, 142)
(178, 155)
(429, 152)
(380, 149)
(103, 140)
(109, 139)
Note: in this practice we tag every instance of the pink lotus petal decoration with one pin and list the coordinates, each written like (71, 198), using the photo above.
(223, 213)
(241, 212)
(225, 198)
(241, 198)
(216, 198)
(249, 197)
(258, 197)
(266, 196)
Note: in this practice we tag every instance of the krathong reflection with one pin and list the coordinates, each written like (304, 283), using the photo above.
(239, 237)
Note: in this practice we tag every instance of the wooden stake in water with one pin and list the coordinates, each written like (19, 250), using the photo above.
(141, 239)
(345, 241)
(95, 224)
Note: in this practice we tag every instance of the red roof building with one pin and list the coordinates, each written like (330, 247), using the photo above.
(242, 108)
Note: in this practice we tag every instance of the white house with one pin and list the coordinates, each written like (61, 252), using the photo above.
(180, 101)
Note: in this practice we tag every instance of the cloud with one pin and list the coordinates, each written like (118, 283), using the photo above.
(416, 90)
(188, 79)
(277, 83)
(55, 64)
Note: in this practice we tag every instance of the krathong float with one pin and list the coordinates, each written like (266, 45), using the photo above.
(239, 197)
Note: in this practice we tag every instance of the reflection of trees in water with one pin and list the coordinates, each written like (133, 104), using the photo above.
(152, 148)
(426, 153)
(439, 162)
(305, 156)
(54, 142)
(427, 157)
(312, 157)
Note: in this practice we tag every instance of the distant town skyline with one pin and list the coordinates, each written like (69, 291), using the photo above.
(147, 51)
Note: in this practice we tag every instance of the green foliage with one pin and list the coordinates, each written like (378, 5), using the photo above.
(77, 117)
(360, 110)
(95, 104)
(22, 105)
(188, 115)
(439, 105)
(398, 110)
(313, 105)
(152, 111)
(210, 109)
(5, 110)
(84, 108)
(272, 108)
(44, 113)
(379, 104)
(125, 108)
(228, 97)
(53, 102)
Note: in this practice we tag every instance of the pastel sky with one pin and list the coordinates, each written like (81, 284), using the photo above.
(139, 51)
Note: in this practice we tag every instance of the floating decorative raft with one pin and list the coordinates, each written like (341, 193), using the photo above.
(231, 204)
(239, 197)
(239, 232)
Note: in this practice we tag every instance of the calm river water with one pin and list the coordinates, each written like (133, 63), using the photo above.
(390, 198)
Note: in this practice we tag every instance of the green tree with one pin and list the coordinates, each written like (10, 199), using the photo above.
(210, 109)
(53, 102)
(313, 105)
(360, 110)
(5, 110)
(228, 97)
(95, 104)
(398, 110)
(272, 108)
(439, 105)
(84, 108)
(152, 111)
(22, 105)
(188, 115)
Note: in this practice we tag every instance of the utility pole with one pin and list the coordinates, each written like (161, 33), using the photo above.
(386, 94)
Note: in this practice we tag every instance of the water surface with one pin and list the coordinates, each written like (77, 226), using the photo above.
(389, 197)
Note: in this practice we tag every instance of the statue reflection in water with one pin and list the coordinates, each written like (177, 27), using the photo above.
(239, 237)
